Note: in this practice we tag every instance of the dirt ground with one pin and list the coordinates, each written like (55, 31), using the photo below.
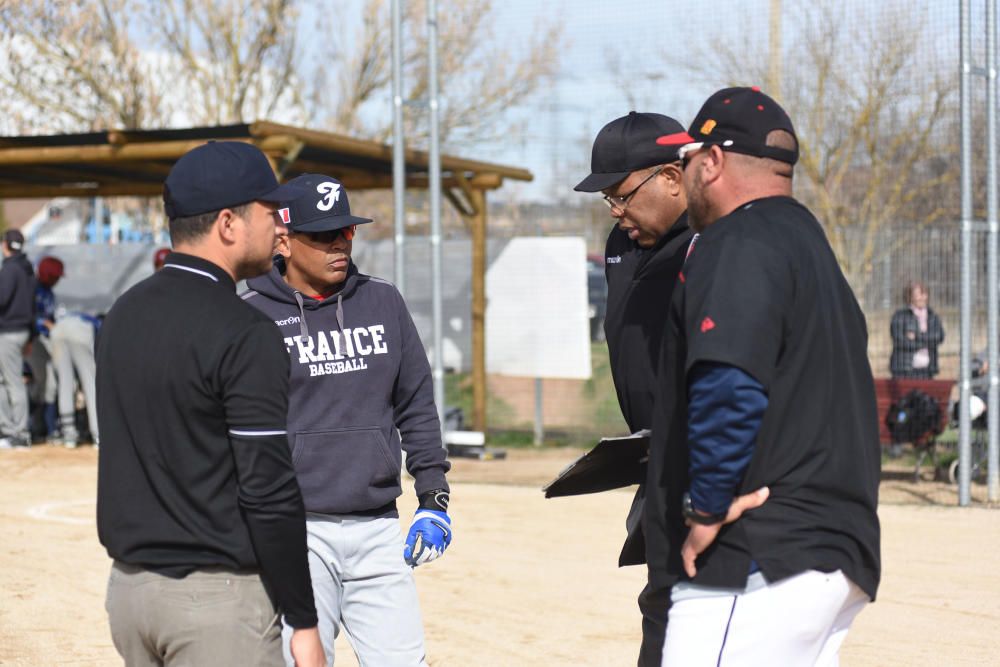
(527, 581)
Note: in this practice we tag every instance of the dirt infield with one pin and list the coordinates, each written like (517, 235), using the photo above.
(528, 581)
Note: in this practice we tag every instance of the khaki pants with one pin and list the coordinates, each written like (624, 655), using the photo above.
(209, 617)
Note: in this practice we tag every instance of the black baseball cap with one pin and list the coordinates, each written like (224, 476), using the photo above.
(14, 239)
(739, 120)
(631, 143)
(221, 174)
(323, 208)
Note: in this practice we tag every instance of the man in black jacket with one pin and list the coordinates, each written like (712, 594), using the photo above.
(764, 461)
(641, 182)
(17, 314)
(197, 501)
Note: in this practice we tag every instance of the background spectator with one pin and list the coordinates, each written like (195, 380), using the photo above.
(916, 333)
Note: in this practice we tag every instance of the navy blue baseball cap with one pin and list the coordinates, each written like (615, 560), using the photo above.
(221, 174)
(323, 208)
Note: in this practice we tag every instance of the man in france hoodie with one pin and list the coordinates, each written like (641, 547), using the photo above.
(360, 392)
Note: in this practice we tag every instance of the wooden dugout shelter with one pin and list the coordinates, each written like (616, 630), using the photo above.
(135, 163)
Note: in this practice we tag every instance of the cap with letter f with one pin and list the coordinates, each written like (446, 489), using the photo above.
(739, 120)
(628, 144)
(324, 207)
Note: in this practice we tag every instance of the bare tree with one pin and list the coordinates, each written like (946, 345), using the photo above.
(239, 55)
(874, 110)
(75, 66)
(481, 74)
(139, 63)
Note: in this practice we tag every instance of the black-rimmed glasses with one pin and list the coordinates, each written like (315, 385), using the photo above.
(621, 203)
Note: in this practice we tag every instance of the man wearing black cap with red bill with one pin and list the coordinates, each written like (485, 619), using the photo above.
(361, 393)
(641, 182)
(764, 460)
(197, 501)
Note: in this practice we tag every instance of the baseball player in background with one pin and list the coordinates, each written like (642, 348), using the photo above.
(360, 392)
(764, 461)
(641, 183)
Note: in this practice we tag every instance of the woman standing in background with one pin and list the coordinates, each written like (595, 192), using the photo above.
(916, 333)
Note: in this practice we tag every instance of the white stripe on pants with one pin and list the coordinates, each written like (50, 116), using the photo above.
(801, 620)
(361, 583)
(14, 400)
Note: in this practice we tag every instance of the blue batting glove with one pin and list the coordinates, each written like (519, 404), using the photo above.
(429, 536)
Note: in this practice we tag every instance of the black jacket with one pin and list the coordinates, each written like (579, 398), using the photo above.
(762, 292)
(195, 469)
(640, 282)
(17, 294)
(905, 323)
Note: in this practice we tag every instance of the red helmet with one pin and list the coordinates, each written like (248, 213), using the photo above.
(50, 270)
(159, 257)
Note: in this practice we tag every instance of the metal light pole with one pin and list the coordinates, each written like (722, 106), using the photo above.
(434, 191)
(993, 408)
(964, 445)
(398, 156)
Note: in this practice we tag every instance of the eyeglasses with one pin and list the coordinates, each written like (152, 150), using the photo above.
(621, 203)
(331, 235)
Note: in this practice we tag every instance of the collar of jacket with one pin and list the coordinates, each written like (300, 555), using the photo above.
(193, 266)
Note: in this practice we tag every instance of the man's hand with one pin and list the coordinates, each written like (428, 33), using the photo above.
(700, 537)
(428, 537)
(307, 649)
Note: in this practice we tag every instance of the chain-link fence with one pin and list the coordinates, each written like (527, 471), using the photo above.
(873, 90)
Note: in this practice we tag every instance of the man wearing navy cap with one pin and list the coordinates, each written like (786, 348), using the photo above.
(361, 392)
(197, 501)
(764, 460)
(641, 182)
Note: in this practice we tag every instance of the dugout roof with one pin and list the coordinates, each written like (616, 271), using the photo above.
(135, 162)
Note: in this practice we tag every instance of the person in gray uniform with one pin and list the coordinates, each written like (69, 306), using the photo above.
(17, 296)
(72, 341)
(360, 392)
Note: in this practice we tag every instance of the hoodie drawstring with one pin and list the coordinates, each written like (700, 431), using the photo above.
(303, 327)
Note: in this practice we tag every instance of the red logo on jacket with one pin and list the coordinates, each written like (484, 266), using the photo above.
(707, 324)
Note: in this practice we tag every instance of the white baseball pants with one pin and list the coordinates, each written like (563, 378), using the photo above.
(801, 620)
(362, 584)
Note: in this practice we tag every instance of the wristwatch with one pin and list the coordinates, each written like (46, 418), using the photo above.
(692, 515)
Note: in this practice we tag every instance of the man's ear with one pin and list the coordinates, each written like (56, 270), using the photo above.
(672, 172)
(225, 225)
(713, 164)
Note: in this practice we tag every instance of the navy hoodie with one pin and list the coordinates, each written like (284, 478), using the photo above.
(17, 294)
(360, 392)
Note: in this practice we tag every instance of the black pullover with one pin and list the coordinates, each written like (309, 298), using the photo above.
(195, 469)
(640, 282)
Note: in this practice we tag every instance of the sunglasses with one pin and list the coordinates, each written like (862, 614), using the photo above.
(331, 235)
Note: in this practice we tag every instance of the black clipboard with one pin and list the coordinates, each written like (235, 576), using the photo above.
(612, 464)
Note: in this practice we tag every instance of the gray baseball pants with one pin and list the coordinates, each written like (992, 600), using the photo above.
(73, 357)
(362, 584)
(14, 399)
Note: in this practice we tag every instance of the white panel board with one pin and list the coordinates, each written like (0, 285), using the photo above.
(536, 309)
